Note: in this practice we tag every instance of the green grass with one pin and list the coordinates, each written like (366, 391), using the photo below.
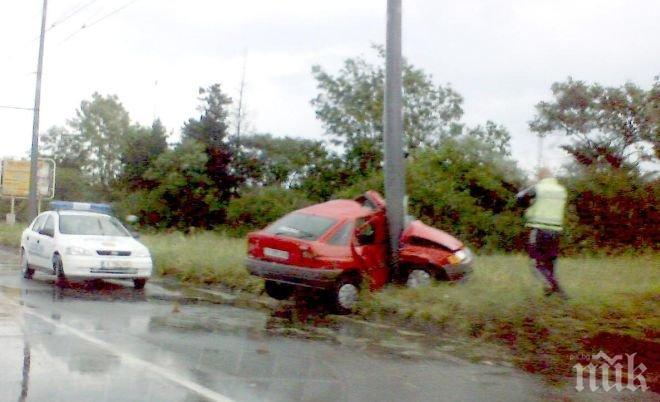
(503, 302)
(10, 235)
(205, 258)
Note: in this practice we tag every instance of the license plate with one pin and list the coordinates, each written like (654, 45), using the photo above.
(116, 264)
(281, 254)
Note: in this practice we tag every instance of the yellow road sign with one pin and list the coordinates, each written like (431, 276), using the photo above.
(15, 179)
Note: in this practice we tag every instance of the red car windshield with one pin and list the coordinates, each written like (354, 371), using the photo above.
(301, 226)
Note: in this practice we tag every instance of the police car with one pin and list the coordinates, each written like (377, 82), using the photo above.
(83, 241)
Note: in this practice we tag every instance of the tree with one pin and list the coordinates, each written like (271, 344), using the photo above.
(615, 127)
(99, 128)
(282, 161)
(183, 194)
(350, 105)
(496, 136)
(65, 148)
(140, 148)
(259, 206)
(211, 131)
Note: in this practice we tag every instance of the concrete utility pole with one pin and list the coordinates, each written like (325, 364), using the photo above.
(395, 173)
(34, 153)
(539, 152)
(239, 113)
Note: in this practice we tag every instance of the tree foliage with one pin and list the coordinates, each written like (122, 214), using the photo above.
(210, 130)
(65, 147)
(259, 206)
(294, 163)
(611, 210)
(183, 194)
(465, 187)
(101, 125)
(350, 105)
(282, 161)
(609, 126)
(140, 148)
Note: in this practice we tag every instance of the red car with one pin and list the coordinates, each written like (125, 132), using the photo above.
(338, 245)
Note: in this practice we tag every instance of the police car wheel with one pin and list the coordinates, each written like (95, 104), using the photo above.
(26, 271)
(58, 267)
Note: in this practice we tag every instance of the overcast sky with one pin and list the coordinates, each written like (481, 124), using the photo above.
(502, 56)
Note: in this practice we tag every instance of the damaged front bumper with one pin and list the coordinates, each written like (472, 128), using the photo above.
(462, 268)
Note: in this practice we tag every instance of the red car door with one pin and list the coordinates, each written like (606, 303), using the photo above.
(370, 249)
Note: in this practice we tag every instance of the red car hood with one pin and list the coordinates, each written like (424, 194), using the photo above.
(419, 229)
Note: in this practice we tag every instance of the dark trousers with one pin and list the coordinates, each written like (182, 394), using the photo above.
(543, 247)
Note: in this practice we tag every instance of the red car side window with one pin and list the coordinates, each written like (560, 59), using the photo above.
(343, 235)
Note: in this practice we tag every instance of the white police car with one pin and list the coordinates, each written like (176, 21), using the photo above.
(81, 240)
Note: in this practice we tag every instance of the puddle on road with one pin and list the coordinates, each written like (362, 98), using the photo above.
(195, 310)
(312, 322)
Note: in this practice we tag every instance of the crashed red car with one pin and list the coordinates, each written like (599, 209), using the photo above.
(338, 245)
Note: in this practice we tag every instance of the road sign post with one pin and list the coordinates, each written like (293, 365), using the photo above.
(11, 216)
(393, 136)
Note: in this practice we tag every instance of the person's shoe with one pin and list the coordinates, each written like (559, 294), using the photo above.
(556, 292)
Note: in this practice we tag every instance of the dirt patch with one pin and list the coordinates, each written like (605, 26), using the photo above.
(647, 352)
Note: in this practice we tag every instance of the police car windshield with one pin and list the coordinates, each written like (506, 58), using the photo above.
(91, 225)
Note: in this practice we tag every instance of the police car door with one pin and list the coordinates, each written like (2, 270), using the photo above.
(33, 241)
(47, 240)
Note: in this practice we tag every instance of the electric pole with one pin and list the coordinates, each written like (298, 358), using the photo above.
(539, 155)
(393, 142)
(239, 114)
(34, 153)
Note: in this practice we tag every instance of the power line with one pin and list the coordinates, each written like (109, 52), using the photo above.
(15, 107)
(73, 13)
(65, 17)
(108, 15)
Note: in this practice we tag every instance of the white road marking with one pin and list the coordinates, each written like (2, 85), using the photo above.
(127, 357)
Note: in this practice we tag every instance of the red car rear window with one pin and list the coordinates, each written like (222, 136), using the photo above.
(301, 226)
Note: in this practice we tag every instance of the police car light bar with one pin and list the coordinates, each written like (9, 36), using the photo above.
(80, 206)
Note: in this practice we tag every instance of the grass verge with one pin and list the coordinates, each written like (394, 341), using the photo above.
(204, 258)
(10, 235)
(613, 306)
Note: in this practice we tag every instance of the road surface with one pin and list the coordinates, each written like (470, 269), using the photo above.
(109, 342)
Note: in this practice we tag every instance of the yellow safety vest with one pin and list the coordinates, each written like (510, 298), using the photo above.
(547, 211)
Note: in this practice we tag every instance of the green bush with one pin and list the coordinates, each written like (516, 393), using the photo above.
(257, 207)
(464, 188)
(611, 210)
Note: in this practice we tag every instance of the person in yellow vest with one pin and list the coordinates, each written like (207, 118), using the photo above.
(545, 218)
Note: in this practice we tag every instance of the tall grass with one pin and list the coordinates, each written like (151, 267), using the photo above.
(503, 301)
(205, 257)
(10, 235)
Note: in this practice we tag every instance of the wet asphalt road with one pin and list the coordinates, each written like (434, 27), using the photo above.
(109, 342)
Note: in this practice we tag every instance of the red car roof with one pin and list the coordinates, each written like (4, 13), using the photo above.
(337, 209)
